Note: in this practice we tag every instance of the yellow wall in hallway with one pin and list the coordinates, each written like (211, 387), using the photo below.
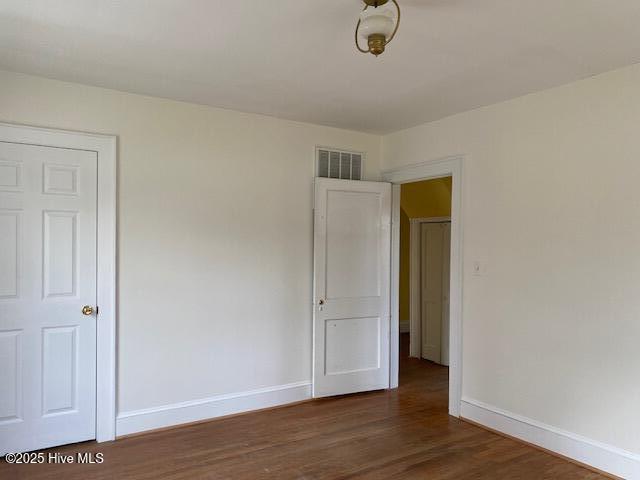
(429, 198)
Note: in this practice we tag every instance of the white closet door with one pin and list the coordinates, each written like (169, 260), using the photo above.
(431, 236)
(446, 287)
(47, 274)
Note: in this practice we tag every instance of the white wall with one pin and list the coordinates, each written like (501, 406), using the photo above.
(215, 240)
(552, 205)
(215, 236)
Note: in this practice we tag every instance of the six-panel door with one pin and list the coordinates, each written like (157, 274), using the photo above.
(47, 274)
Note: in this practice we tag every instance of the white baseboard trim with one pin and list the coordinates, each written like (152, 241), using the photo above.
(404, 326)
(206, 408)
(601, 456)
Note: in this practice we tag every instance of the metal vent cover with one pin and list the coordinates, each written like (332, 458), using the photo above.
(339, 164)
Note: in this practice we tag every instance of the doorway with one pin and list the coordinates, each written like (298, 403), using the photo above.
(435, 169)
(355, 224)
(57, 230)
(425, 233)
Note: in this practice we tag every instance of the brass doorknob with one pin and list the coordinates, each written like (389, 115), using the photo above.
(87, 310)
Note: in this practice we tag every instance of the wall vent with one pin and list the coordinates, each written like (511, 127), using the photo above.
(339, 164)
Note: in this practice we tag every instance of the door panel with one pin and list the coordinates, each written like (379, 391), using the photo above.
(47, 273)
(352, 241)
(60, 253)
(352, 345)
(9, 253)
(353, 245)
(10, 376)
(59, 376)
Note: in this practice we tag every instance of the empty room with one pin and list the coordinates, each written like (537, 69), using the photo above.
(303, 239)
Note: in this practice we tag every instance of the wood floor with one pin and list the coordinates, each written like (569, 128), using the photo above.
(402, 434)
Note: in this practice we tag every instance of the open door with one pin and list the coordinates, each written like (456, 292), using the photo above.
(352, 267)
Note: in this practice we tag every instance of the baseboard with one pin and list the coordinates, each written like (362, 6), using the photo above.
(613, 460)
(404, 326)
(207, 408)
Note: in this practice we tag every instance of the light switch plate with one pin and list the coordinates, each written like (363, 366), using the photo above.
(479, 268)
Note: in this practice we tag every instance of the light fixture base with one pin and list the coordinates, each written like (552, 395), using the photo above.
(377, 43)
(375, 3)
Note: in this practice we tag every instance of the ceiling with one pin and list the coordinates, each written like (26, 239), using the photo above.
(295, 59)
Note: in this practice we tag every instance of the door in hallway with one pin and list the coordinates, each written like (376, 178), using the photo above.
(435, 239)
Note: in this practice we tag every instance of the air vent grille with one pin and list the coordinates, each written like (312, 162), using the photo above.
(339, 164)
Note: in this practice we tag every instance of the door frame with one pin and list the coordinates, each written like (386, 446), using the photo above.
(105, 147)
(415, 307)
(452, 166)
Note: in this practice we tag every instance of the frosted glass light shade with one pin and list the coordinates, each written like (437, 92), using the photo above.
(379, 21)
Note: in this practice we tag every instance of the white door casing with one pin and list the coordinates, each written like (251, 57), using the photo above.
(352, 241)
(437, 168)
(48, 206)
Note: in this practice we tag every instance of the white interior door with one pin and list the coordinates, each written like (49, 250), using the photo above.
(352, 267)
(434, 290)
(47, 274)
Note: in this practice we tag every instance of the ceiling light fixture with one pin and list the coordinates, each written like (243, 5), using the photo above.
(377, 25)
